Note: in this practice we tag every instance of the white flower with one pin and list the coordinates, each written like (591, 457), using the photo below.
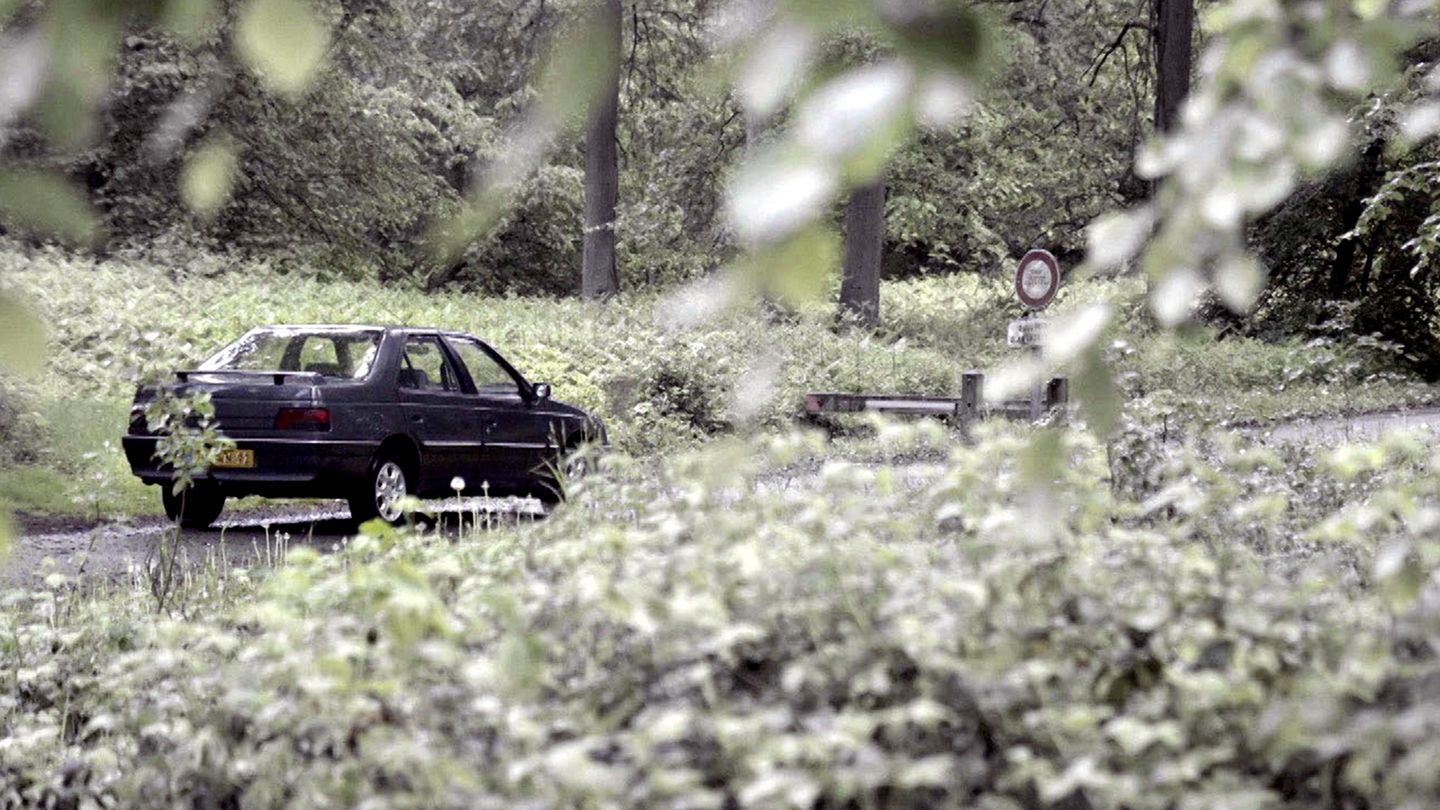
(457, 483)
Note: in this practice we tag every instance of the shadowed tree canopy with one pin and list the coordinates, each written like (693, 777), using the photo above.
(414, 99)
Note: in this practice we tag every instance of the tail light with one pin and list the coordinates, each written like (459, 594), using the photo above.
(316, 419)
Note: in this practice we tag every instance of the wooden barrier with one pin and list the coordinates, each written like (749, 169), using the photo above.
(969, 406)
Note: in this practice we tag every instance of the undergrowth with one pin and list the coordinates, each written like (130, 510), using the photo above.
(1030, 626)
(658, 389)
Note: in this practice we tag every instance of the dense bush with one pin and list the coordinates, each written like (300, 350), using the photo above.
(1015, 633)
(1355, 248)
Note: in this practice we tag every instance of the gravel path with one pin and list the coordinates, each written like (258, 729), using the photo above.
(240, 539)
(1360, 427)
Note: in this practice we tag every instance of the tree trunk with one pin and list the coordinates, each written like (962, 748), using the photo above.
(599, 277)
(1174, 30)
(1363, 182)
(864, 249)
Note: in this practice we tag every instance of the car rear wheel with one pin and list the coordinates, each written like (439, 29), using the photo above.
(382, 494)
(195, 508)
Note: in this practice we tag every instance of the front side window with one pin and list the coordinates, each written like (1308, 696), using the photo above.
(488, 375)
(331, 353)
(425, 367)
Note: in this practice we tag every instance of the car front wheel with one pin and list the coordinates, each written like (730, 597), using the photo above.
(383, 493)
(570, 465)
(195, 508)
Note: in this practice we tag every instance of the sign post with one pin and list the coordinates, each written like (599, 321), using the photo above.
(1037, 279)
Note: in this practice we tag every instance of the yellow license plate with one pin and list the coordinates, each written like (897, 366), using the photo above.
(242, 459)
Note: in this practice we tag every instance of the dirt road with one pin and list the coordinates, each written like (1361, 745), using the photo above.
(239, 539)
(1359, 427)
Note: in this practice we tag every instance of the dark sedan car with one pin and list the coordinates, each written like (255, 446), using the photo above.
(366, 413)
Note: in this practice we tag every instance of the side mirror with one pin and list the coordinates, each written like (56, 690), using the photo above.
(541, 391)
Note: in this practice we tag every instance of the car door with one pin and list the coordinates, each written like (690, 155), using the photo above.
(439, 412)
(517, 440)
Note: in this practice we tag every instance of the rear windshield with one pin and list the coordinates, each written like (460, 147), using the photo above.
(344, 354)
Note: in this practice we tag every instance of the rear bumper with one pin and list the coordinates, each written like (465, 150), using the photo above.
(301, 467)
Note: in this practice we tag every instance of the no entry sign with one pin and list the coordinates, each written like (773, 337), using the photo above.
(1037, 279)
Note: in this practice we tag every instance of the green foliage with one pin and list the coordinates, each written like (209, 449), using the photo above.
(448, 100)
(1355, 247)
(116, 322)
(967, 640)
(190, 441)
(1267, 115)
(63, 456)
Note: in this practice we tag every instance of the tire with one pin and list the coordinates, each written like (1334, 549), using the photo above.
(550, 488)
(195, 508)
(385, 484)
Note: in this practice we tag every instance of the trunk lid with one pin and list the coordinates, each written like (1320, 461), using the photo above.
(242, 406)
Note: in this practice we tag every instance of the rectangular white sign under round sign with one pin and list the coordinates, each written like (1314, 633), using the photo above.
(1025, 332)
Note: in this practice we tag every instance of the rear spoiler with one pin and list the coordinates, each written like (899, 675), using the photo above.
(278, 376)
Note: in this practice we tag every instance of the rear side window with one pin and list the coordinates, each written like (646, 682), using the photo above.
(331, 353)
(321, 354)
(425, 367)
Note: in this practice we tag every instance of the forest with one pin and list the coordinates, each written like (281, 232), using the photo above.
(1210, 578)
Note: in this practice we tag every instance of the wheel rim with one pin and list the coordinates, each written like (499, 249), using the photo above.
(389, 490)
(576, 466)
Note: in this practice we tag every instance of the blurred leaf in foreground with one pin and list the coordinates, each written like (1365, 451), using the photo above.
(187, 18)
(774, 68)
(476, 219)
(941, 33)
(798, 270)
(859, 118)
(1040, 461)
(22, 337)
(575, 70)
(82, 38)
(46, 204)
(1096, 390)
(24, 56)
(571, 80)
(779, 193)
(208, 176)
(283, 42)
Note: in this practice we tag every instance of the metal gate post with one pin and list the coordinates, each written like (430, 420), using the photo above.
(1035, 391)
(1058, 393)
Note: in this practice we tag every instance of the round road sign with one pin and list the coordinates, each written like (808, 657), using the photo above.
(1037, 279)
